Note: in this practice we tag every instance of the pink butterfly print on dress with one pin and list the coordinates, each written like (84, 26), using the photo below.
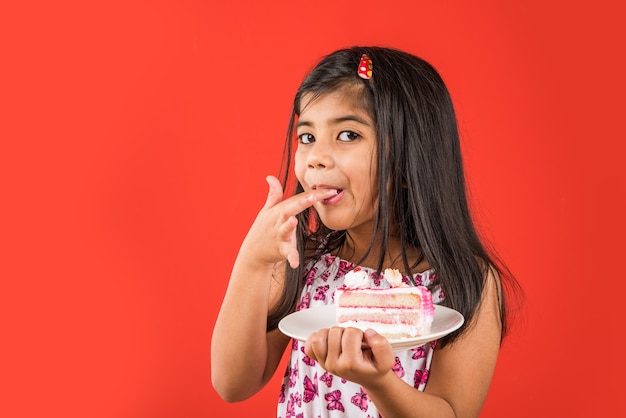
(327, 378)
(294, 399)
(419, 352)
(376, 278)
(397, 368)
(421, 377)
(281, 395)
(320, 292)
(361, 400)
(306, 359)
(418, 280)
(334, 401)
(344, 267)
(311, 276)
(304, 304)
(440, 295)
(310, 389)
(293, 375)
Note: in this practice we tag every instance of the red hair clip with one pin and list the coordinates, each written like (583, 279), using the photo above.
(365, 67)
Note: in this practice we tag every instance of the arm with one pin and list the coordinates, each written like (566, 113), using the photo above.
(243, 356)
(254, 287)
(459, 376)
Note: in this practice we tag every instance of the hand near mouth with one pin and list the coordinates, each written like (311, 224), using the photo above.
(272, 237)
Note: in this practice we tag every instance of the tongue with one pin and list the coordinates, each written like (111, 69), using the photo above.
(330, 199)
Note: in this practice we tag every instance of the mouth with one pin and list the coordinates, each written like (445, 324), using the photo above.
(333, 199)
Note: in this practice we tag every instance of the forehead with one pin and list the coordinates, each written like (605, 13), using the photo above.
(349, 97)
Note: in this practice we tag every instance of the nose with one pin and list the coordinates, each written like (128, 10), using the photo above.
(320, 155)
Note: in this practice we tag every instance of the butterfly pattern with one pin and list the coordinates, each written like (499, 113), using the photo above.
(421, 377)
(293, 375)
(308, 390)
(397, 368)
(327, 378)
(320, 292)
(361, 400)
(304, 303)
(334, 401)
(306, 359)
(418, 352)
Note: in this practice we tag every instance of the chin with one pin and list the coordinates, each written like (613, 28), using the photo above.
(336, 224)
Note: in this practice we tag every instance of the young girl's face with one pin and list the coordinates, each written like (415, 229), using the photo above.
(337, 150)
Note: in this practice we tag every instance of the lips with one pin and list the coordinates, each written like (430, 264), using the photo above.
(333, 199)
(325, 186)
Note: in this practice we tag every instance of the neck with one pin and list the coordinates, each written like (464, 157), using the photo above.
(355, 248)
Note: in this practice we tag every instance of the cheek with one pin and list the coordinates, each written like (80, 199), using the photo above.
(370, 199)
(299, 166)
(368, 189)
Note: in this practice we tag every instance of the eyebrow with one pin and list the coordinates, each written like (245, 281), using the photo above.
(336, 121)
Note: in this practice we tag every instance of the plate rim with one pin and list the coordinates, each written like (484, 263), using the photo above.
(397, 344)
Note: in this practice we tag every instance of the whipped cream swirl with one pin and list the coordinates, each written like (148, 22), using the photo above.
(393, 277)
(356, 279)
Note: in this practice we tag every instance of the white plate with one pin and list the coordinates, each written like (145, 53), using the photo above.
(301, 324)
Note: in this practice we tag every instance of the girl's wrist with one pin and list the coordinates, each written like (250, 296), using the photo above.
(382, 383)
(249, 256)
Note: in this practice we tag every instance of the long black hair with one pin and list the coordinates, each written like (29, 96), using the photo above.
(421, 185)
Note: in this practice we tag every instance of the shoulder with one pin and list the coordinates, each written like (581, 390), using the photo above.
(491, 300)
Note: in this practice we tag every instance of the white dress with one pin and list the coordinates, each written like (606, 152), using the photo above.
(308, 391)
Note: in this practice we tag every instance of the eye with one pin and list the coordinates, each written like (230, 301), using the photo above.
(348, 136)
(306, 138)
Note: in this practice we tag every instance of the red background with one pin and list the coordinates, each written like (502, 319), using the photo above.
(135, 138)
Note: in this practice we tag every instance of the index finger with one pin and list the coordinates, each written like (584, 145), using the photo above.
(301, 201)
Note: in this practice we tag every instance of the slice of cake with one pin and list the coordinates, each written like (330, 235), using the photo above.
(397, 312)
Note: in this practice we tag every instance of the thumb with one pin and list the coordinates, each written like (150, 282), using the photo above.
(275, 194)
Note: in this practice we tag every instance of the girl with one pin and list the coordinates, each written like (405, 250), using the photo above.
(379, 185)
